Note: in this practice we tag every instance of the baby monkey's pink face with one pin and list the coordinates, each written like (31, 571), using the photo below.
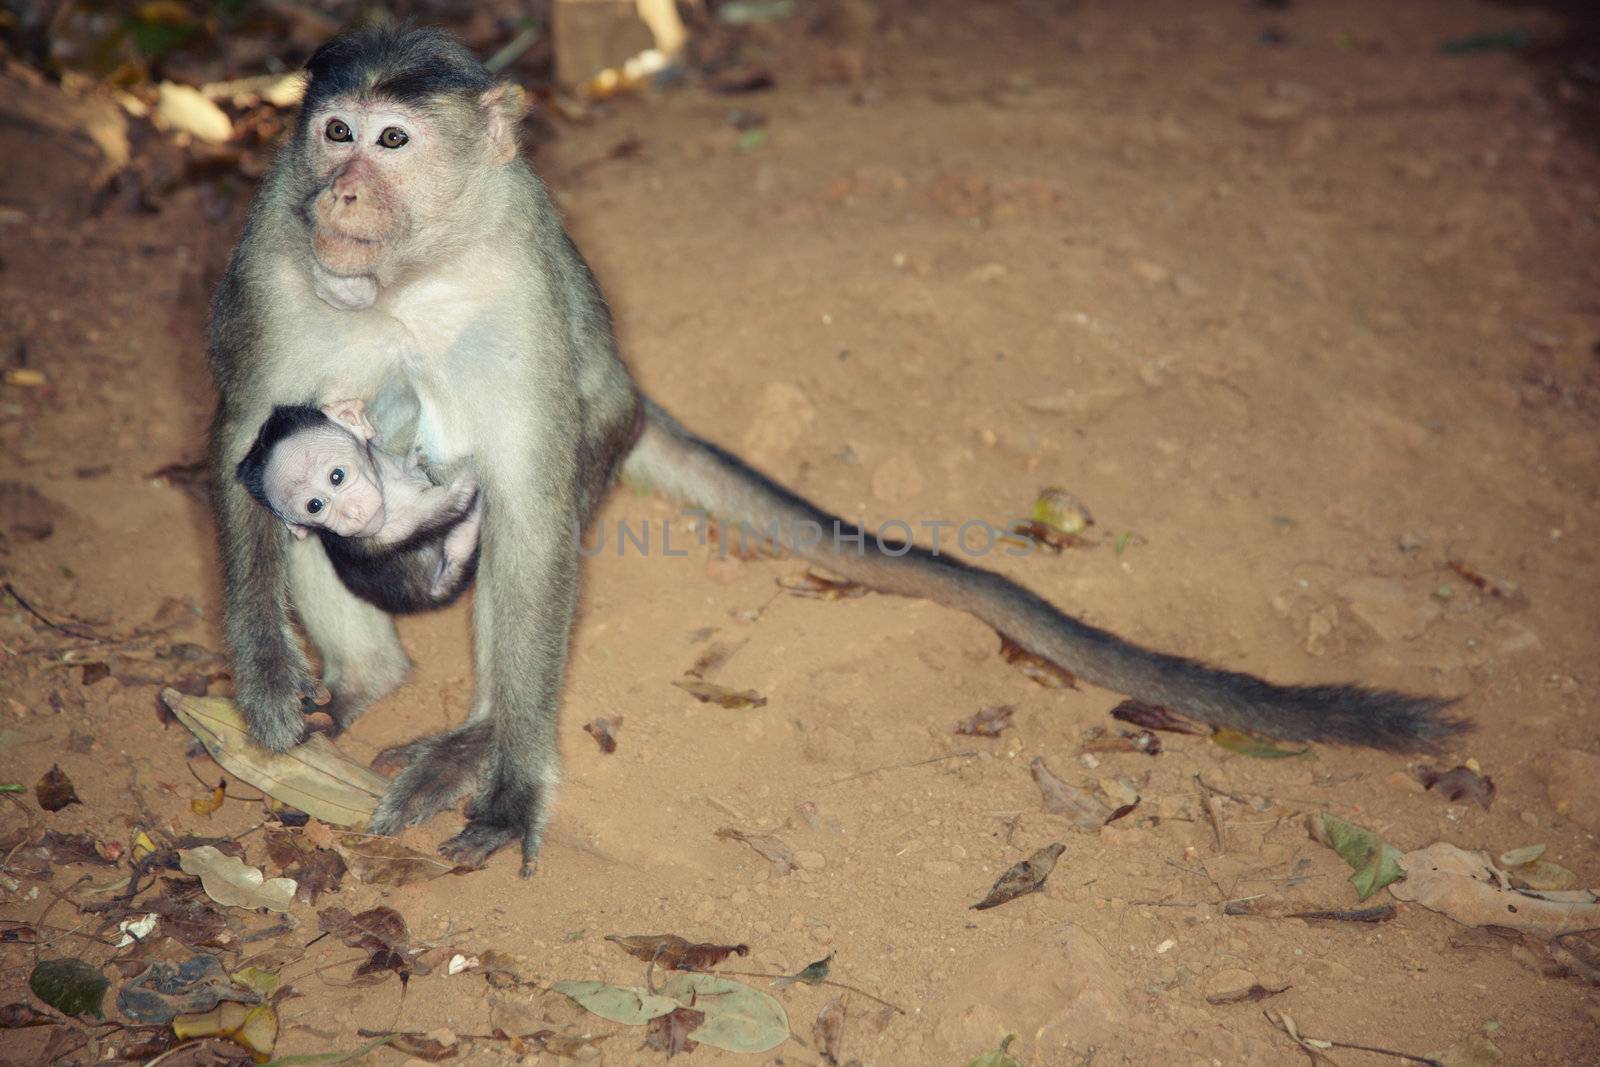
(325, 477)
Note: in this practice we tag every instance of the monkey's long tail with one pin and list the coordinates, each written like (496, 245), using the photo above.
(673, 461)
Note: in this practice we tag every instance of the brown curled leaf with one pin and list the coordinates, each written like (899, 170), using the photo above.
(1022, 879)
(55, 791)
(21, 1014)
(1503, 588)
(1246, 995)
(1461, 782)
(676, 953)
(828, 1031)
(76, 848)
(1122, 812)
(604, 731)
(385, 861)
(987, 722)
(208, 804)
(781, 855)
(1085, 810)
(816, 586)
(1156, 717)
(712, 693)
(380, 927)
(1040, 670)
(669, 1033)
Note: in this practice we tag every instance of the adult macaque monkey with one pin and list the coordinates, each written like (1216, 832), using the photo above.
(399, 241)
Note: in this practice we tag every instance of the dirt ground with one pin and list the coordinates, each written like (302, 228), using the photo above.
(1303, 308)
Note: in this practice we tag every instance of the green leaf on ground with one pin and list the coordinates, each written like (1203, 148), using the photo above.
(1375, 861)
(70, 986)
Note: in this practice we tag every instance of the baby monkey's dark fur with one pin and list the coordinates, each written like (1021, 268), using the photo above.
(392, 576)
(532, 390)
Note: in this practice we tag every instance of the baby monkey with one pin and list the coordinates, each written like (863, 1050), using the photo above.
(326, 470)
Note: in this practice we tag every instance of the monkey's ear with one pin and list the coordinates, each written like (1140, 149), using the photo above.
(503, 108)
(299, 531)
(353, 413)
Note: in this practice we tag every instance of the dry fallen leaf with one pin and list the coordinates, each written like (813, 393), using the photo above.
(714, 658)
(208, 804)
(184, 109)
(604, 731)
(234, 883)
(1040, 670)
(1461, 782)
(1085, 810)
(1026, 877)
(828, 1030)
(670, 1033)
(1155, 717)
(381, 931)
(385, 861)
(313, 777)
(54, 791)
(781, 855)
(254, 1028)
(676, 953)
(712, 693)
(987, 722)
(1242, 996)
(1472, 891)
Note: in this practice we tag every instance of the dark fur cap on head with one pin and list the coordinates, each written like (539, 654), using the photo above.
(285, 421)
(408, 64)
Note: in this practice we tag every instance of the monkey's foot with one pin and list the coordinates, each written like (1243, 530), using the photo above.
(473, 846)
(438, 769)
(394, 759)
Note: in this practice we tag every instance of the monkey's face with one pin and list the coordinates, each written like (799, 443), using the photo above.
(325, 477)
(379, 172)
(395, 184)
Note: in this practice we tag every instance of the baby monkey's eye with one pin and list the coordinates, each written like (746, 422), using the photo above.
(393, 137)
(337, 477)
(338, 131)
(314, 505)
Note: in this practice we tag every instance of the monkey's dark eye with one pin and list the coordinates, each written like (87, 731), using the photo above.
(314, 505)
(393, 137)
(337, 477)
(338, 131)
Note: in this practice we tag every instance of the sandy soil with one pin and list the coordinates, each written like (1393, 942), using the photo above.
(1307, 321)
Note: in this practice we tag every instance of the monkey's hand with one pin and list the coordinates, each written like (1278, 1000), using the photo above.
(274, 693)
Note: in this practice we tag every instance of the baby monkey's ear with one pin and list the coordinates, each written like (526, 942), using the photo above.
(503, 108)
(352, 415)
(299, 531)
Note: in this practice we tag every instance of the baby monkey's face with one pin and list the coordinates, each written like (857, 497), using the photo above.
(325, 477)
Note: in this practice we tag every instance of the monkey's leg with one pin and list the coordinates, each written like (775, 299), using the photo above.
(361, 655)
(520, 662)
(522, 621)
(271, 676)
